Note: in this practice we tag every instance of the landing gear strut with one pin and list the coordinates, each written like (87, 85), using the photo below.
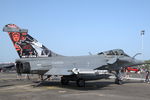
(43, 80)
(118, 79)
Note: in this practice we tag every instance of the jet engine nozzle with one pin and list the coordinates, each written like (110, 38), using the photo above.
(22, 67)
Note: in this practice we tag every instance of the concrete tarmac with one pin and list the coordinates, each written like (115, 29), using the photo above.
(13, 89)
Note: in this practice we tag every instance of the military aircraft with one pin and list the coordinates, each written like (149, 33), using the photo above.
(7, 66)
(35, 58)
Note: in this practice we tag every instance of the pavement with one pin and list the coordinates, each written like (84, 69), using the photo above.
(12, 88)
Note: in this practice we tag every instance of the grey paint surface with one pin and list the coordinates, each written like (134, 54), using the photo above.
(61, 65)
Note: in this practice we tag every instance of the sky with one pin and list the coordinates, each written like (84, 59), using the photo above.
(77, 27)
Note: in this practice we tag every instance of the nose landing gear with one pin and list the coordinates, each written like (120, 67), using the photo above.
(119, 79)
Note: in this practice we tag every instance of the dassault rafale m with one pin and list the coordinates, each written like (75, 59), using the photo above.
(35, 58)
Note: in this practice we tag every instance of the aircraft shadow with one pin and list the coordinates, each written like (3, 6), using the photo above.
(6, 85)
(132, 81)
(90, 85)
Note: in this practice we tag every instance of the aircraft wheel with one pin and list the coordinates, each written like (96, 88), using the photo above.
(117, 81)
(80, 83)
(64, 81)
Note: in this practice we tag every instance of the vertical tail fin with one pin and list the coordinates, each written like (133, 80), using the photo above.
(25, 45)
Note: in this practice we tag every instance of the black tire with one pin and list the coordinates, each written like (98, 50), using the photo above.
(119, 82)
(80, 83)
(64, 81)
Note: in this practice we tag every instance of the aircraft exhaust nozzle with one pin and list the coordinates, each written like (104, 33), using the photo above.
(23, 67)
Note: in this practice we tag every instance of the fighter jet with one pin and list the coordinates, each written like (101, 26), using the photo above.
(35, 58)
(7, 66)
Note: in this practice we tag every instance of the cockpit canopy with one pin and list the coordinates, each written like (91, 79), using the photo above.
(114, 52)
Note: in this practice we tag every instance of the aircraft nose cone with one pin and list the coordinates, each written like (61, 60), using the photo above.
(138, 61)
(131, 61)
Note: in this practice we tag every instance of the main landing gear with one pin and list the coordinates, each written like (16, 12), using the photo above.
(79, 82)
(64, 81)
